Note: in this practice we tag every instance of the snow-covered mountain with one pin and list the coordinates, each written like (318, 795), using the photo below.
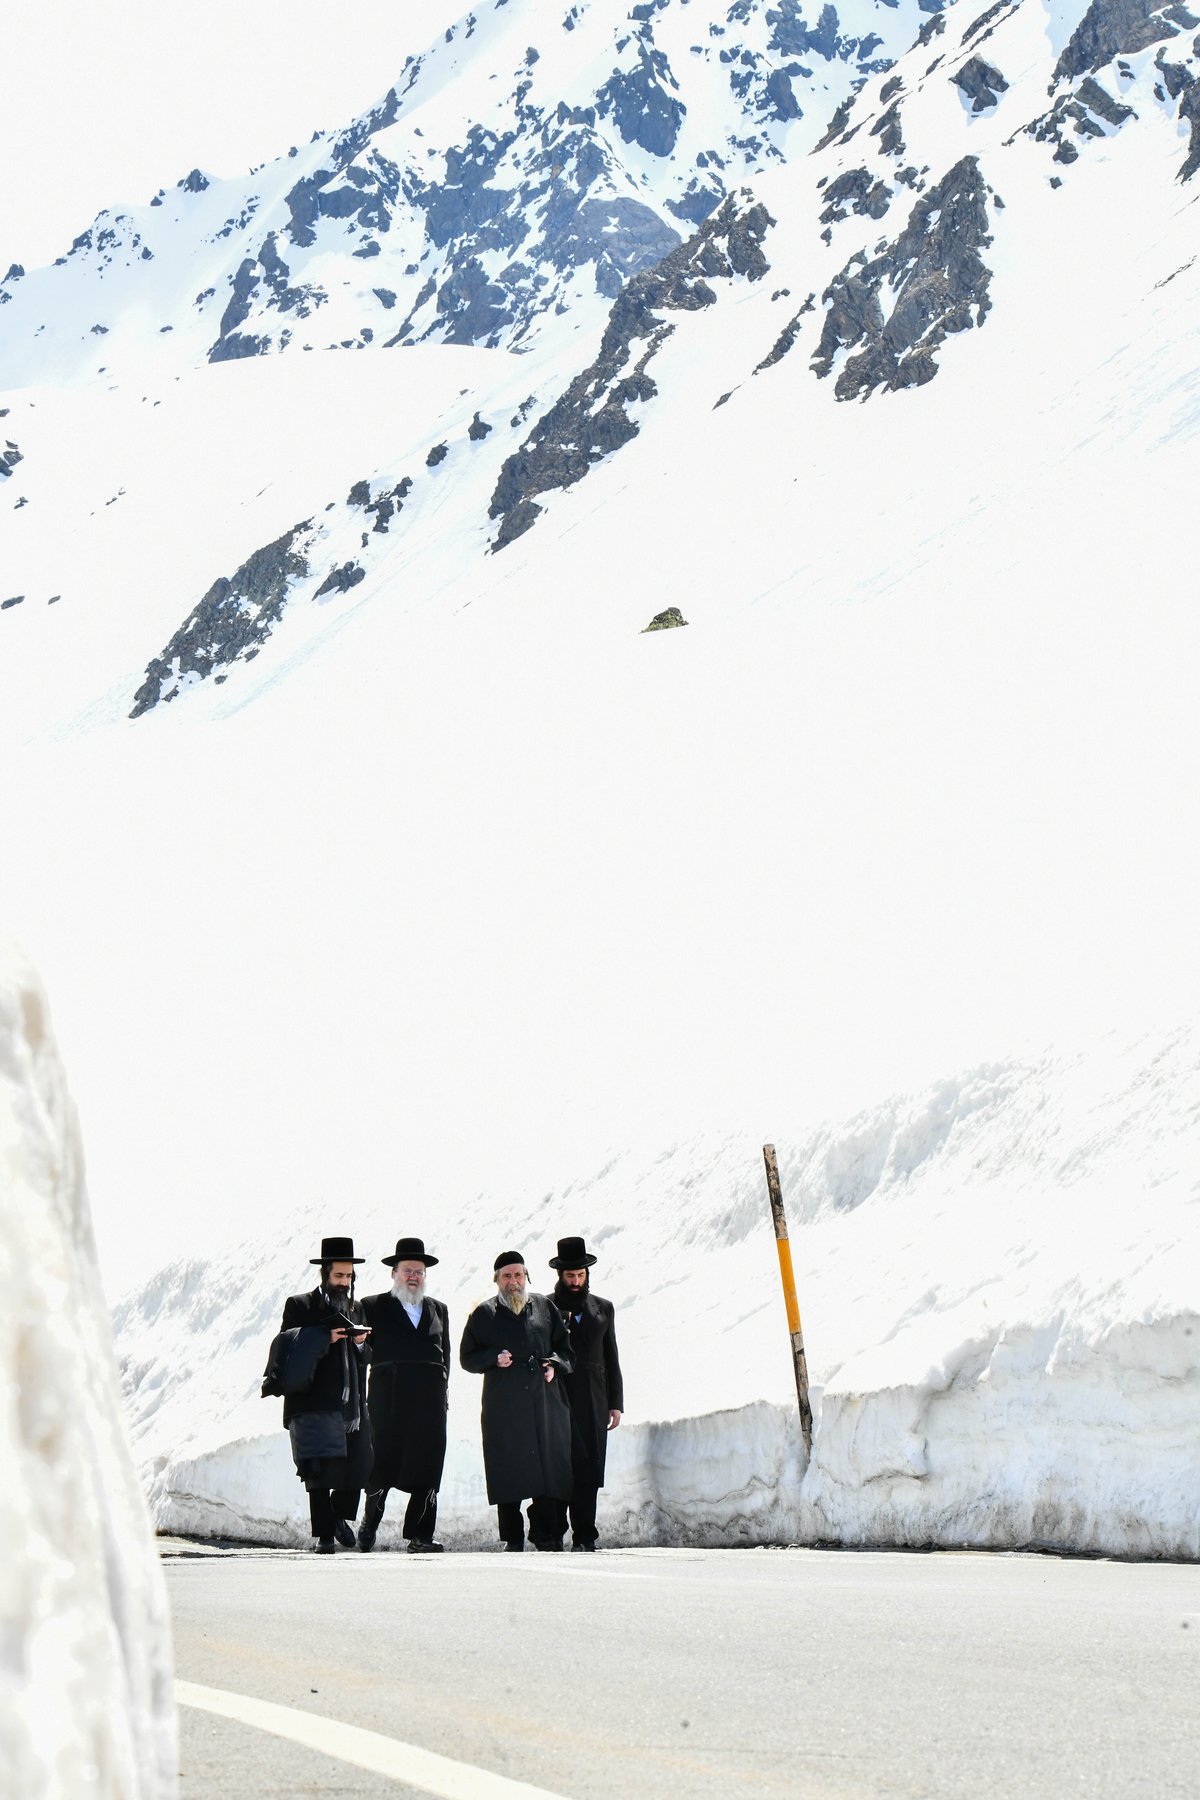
(388, 874)
(521, 168)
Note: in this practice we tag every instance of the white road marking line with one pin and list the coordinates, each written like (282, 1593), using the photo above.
(369, 1750)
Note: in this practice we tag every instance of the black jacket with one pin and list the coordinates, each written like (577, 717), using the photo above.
(526, 1419)
(407, 1396)
(594, 1386)
(327, 1420)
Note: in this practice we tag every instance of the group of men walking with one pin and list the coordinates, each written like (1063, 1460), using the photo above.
(365, 1396)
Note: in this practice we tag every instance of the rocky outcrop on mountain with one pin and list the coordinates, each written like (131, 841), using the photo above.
(669, 620)
(936, 281)
(1077, 116)
(10, 456)
(592, 419)
(232, 621)
(1111, 28)
(981, 83)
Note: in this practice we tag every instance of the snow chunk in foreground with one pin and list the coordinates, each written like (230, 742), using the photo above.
(85, 1670)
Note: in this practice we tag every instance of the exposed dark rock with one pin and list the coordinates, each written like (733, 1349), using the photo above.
(232, 621)
(1189, 110)
(665, 621)
(437, 455)
(360, 494)
(981, 83)
(237, 345)
(13, 600)
(782, 101)
(985, 19)
(195, 183)
(341, 580)
(15, 272)
(786, 339)
(639, 104)
(1118, 28)
(386, 298)
(478, 429)
(887, 130)
(857, 191)
(10, 456)
(933, 27)
(591, 420)
(1078, 113)
(939, 280)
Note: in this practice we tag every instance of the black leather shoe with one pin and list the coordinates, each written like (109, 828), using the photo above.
(547, 1543)
(366, 1539)
(343, 1531)
(588, 1547)
(324, 1547)
(424, 1547)
(513, 1546)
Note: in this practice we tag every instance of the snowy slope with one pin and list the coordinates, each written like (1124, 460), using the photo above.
(85, 1666)
(422, 887)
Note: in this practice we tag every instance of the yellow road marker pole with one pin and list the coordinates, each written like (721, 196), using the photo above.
(782, 1244)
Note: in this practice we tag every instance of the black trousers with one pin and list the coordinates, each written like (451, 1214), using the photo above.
(581, 1510)
(543, 1520)
(327, 1505)
(420, 1515)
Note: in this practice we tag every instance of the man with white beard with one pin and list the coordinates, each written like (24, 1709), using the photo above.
(407, 1399)
(517, 1341)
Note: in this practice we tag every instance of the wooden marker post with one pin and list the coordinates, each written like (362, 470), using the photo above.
(779, 1219)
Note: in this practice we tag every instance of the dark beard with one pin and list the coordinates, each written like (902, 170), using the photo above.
(570, 1300)
(340, 1299)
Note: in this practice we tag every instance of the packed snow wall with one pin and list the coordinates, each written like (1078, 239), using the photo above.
(86, 1705)
(999, 1281)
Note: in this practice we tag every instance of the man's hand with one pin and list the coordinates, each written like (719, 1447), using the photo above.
(614, 1418)
(504, 1360)
(549, 1368)
(335, 1337)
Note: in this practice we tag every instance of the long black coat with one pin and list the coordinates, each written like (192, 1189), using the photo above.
(526, 1419)
(327, 1422)
(407, 1395)
(594, 1386)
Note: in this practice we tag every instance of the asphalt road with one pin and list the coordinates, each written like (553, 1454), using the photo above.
(690, 1673)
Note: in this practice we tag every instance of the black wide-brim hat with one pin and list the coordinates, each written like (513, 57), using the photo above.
(337, 1250)
(572, 1254)
(409, 1250)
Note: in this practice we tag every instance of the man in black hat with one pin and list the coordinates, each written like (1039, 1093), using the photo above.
(408, 1397)
(327, 1419)
(594, 1386)
(518, 1343)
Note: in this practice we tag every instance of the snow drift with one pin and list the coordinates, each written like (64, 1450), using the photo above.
(85, 1689)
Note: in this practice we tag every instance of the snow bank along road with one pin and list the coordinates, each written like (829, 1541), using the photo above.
(683, 1672)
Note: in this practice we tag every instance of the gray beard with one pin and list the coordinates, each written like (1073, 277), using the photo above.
(409, 1296)
(516, 1303)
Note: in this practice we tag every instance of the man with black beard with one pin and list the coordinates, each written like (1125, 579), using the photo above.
(407, 1397)
(518, 1343)
(327, 1418)
(593, 1387)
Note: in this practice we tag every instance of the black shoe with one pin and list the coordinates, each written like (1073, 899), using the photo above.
(424, 1547)
(547, 1543)
(588, 1547)
(343, 1531)
(366, 1539)
(508, 1546)
(324, 1547)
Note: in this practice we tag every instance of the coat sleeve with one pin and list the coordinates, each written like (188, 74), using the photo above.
(294, 1313)
(473, 1353)
(446, 1341)
(612, 1363)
